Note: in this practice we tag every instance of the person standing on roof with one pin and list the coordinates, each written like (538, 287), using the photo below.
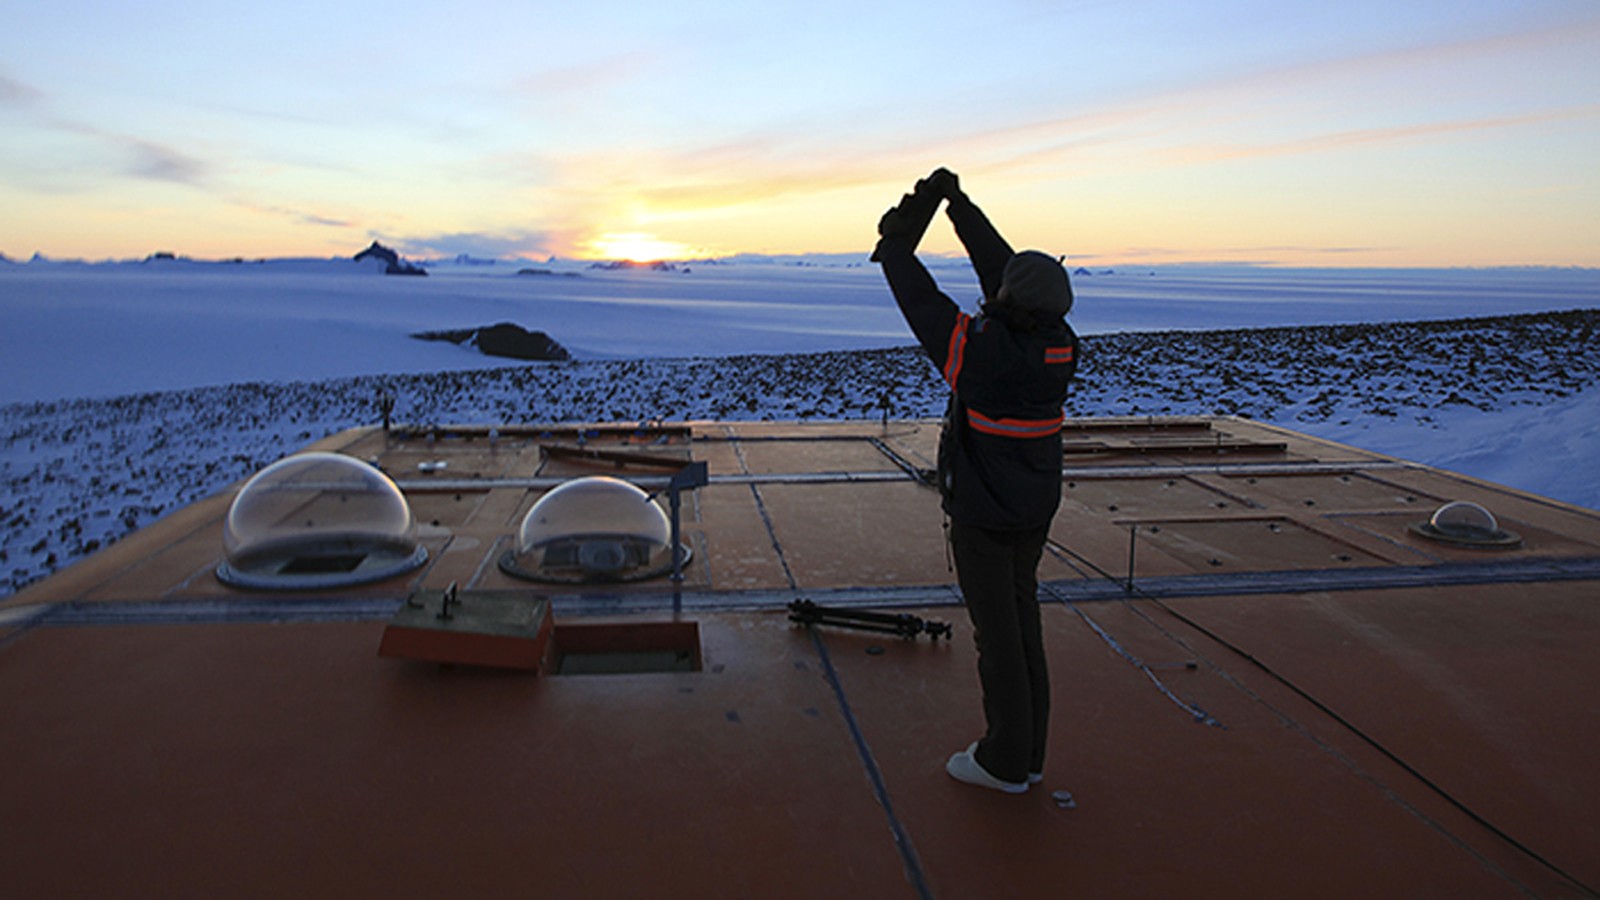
(999, 455)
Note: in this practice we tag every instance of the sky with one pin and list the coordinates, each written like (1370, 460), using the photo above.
(1422, 133)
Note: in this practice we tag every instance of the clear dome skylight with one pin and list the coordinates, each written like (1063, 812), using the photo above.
(592, 529)
(1466, 523)
(318, 520)
(1464, 518)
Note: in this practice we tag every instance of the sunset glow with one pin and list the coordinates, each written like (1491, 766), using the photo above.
(1361, 134)
(636, 246)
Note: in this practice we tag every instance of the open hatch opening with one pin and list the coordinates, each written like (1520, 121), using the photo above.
(625, 648)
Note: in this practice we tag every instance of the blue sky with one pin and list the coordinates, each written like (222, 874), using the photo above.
(1423, 133)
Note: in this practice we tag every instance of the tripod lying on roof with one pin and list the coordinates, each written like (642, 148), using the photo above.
(904, 624)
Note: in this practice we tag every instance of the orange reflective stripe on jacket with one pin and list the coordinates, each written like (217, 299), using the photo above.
(957, 352)
(1015, 428)
(1054, 355)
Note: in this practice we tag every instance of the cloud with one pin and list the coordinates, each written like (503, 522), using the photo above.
(489, 245)
(750, 170)
(144, 158)
(313, 219)
(1264, 255)
(1528, 44)
(1372, 136)
(585, 79)
(1304, 250)
(298, 216)
(158, 162)
(1396, 68)
(17, 93)
(140, 157)
(147, 159)
(1130, 131)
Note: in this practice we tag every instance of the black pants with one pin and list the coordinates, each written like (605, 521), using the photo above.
(998, 574)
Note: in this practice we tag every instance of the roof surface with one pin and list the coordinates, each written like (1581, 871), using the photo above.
(1265, 682)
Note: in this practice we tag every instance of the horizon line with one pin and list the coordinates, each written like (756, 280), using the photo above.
(845, 259)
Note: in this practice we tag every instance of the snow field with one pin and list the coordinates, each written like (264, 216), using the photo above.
(1509, 398)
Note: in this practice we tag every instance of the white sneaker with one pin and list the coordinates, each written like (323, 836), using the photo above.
(1035, 777)
(964, 766)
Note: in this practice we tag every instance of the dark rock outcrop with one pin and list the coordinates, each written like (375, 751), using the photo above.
(505, 339)
(394, 265)
(628, 265)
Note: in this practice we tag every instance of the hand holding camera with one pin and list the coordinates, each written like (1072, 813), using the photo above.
(909, 219)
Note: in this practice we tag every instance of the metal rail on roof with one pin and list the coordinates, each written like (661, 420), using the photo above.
(1085, 473)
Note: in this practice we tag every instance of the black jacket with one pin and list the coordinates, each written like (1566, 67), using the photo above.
(1000, 454)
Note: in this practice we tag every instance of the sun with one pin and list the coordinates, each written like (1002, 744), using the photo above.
(636, 246)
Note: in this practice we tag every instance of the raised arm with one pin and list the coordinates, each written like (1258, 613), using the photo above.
(988, 251)
(932, 315)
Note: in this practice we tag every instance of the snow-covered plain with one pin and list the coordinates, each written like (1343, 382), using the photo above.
(128, 390)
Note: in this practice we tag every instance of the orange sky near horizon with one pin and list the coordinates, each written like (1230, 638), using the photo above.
(1438, 134)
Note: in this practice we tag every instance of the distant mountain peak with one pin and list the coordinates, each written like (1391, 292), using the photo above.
(394, 265)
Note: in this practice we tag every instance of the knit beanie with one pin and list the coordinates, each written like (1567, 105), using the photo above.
(1036, 282)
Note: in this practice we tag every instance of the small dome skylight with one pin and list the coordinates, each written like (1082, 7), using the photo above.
(592, 529)
(317, 520)
(1467, 523)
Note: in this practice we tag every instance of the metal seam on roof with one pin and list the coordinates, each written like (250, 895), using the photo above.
(157, 612)
(909, 861)
(1369, 578)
